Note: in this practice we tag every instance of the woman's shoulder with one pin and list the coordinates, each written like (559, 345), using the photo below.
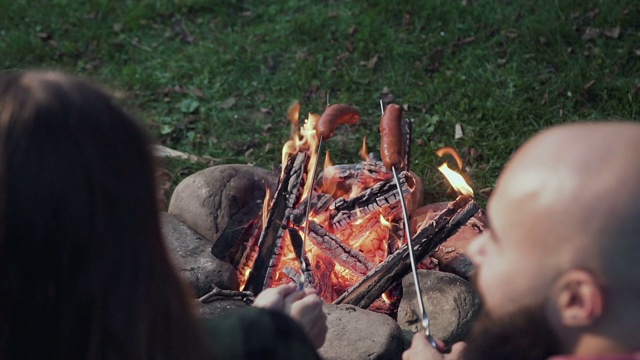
(255, 333)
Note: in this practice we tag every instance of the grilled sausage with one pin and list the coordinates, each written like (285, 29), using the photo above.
(391, 135)
(335, 115)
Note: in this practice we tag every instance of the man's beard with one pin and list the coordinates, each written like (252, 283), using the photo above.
(523, 334)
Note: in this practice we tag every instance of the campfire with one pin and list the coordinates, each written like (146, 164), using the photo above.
(355, 250)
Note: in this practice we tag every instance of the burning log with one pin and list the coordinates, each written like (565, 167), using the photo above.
(270, 243)
(384, 193)
(319, 202)
(396, 266)
(344, 255)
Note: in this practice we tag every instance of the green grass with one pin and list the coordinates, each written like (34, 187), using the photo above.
(523, 67)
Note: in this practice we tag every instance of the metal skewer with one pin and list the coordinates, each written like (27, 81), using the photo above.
(303, 264)
(414, 270)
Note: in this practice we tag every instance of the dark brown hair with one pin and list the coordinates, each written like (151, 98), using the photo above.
(84, 273)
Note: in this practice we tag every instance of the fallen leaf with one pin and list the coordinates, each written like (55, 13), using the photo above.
(372, 62)
(545, 98)
(543, 40)
(44, 36)
(197, 92)
(501, 62)
(265, 110)
(574, 15)
(349, 45)
(458, 132)
(570, 50)
(637, 52)
(406, 20)
(591, 33)
(333, 14)
(613, 33)
(593, 13)
(227, 103)
(588, 85)
(342, 57)
(179, 89)
(486, 191)
(512, 33)
(466, 41)
(635, 89)
(352, 29)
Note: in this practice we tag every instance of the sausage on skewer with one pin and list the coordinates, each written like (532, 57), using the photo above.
(391, 136)
(333, 116)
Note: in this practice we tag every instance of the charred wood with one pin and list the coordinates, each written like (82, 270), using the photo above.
(319, 203)
(270, 243)
(343, 254)
(398, 265)
(382, 194)
(235, 233)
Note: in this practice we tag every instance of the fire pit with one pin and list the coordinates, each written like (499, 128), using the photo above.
(356, 250)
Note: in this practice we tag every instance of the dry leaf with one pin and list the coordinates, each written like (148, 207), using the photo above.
(406, 20)
(593, 13)
(613, 33)
(197, 92)
(227, 103)
(501, 62)
(466, 41)
(543, 40)
(637, 52)
(512, 33)
(591, 33)
(349, 45)
(352, 29)
(545, 98)
(458, 132)
(588, 85)
(371, 63)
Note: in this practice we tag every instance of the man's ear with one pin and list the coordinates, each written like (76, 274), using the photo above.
(578, 299)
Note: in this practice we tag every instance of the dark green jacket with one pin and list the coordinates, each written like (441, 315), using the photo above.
(254, 333)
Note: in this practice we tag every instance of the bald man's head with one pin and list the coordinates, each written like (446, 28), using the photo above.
(579, 185)
(564, 235)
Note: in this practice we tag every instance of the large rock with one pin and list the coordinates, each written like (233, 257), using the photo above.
(355, 333)
(191, 256)
(219, 307)
(210, 199)
(450, 301)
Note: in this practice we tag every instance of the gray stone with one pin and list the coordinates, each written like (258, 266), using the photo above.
(451, 303)
(356, 333)
(208, 199)
(219, 307)
(191, 256)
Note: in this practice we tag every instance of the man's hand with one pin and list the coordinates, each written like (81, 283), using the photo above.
(305, 307)
(421, 349)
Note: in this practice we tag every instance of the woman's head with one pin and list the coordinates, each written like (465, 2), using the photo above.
(82, 262)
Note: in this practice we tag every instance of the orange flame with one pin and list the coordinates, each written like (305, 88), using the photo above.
(456, 180)
(266, 205)
(327, 161)
(384, 222)
(364, 151)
